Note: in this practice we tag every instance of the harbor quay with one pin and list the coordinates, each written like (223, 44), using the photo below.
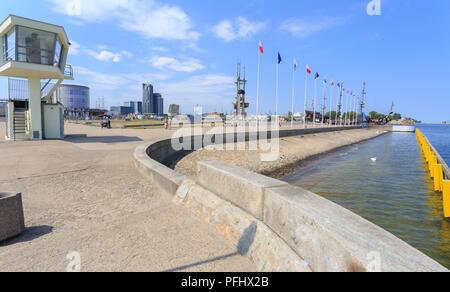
(292, 161)
(84, 195)
(90, 198)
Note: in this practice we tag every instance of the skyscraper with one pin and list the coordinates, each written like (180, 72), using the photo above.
(147, 98)
(159, 103)
(152, 103)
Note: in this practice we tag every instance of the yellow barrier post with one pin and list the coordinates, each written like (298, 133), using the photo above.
(446, 195)
(432, 161)
(438, 177)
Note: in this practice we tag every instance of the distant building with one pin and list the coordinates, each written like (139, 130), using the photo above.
(159, 104)
(174, 110)
(119, 111)
(114, 111)
(74, 96)
(152, 103)
(136, 105)
(147, 98)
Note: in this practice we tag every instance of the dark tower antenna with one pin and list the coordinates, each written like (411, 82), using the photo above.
(339, 113)
(240, 105)
(363, 98)
(362, 105)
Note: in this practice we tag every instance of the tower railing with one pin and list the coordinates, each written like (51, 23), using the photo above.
(68, 71)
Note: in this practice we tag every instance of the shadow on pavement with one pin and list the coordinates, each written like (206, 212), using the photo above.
(100, 139)
(29, 234)
(244, 244)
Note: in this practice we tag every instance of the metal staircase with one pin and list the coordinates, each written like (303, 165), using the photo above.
(20, 124)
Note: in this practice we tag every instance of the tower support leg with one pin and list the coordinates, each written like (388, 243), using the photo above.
(34, 93)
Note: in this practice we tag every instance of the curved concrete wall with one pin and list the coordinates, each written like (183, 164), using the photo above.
(278, 226)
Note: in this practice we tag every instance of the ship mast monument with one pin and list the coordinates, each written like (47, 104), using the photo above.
(240, 105)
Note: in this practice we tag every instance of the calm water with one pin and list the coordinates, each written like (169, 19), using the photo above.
(439, 136)
(395, 192)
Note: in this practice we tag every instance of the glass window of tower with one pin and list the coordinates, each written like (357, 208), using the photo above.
(9, 45)
(35, 46)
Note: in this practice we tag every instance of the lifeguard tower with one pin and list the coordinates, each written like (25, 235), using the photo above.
(36, 51)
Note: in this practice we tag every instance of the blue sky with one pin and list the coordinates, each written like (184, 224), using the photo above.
(189, 49)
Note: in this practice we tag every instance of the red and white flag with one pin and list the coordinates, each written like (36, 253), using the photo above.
(261, 48)
(308, 70)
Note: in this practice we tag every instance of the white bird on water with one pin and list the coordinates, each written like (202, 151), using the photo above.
(373, 159)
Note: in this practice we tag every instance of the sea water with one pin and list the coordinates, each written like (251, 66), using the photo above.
(394, 191)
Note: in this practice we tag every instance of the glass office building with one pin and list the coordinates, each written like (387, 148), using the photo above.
(135, 105)
(152, 103)
(74, 96)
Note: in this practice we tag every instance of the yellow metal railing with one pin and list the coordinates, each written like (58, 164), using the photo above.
(439, 170)
(28, 122)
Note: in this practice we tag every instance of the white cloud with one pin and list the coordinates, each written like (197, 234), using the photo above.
(160, 49)
(211, 90)
(74, 48)
(241, 28)
(190, 65)
(107, 56)
(148, 18)
(225, 30)
(104, 81)
(306, 26)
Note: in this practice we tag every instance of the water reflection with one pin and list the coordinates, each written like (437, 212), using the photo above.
(394, 192)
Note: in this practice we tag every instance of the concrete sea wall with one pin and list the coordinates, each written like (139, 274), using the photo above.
(278, 226)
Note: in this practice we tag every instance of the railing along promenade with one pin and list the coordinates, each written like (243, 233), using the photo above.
(439, 170)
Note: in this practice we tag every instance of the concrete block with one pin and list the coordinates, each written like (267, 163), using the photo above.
(241, 187)
(331, 238)
(166, 178)
(251, 237)
(11, 216)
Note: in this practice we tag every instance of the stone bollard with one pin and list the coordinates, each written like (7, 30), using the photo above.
(11, 216)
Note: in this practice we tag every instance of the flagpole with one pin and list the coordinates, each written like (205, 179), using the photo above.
(338, 119)
(276, 106)
(342, 107)
(305, 105)
(293, 96)
(346, 111)
(345, 108)
(257, 91)
(331, 103)
(314, 103)
(351, 110)
(323, 102)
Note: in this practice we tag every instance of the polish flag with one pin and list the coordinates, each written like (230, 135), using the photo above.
(261, 48)
(308, 70)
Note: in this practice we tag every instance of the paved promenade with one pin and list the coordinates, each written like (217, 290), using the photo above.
(84, 195)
